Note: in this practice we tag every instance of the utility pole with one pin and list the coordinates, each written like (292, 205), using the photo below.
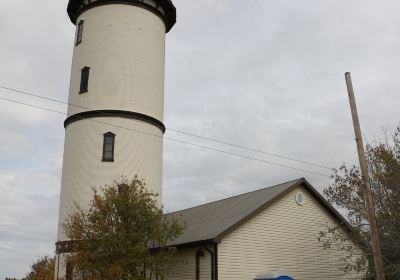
(367, 185)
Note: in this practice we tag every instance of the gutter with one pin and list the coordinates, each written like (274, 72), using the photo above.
(199, 254)
(216, 260)
(212, 261)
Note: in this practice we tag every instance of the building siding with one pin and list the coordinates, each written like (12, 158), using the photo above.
(183, 265)
(282, 238)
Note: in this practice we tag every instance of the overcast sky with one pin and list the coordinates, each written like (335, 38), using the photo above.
(260, 73)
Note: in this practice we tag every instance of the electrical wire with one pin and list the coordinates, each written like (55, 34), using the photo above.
(178, 141)
(250, 149)
(31, 105)
(179, 131)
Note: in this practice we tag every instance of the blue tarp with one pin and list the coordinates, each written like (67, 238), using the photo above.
(282, 277)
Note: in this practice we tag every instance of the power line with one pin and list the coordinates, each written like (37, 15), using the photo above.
(31, 105)
(179, 131)
(250, 149)
(176, 140)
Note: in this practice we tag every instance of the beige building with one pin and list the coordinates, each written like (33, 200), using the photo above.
(270, 231)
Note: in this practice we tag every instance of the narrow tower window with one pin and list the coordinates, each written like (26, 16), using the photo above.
(79, 33)
(84, 79)
(108, 146)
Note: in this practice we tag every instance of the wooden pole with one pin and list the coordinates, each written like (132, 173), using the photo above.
(367, 185)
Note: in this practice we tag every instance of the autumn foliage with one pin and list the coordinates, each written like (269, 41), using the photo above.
(347, 193)
(42, 269)
(122, 235)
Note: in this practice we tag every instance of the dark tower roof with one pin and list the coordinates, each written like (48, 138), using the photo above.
(76, 7)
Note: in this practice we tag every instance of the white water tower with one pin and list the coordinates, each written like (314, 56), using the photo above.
(115, 117)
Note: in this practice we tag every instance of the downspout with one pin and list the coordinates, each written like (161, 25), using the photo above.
(212, 262)
(199, 254)
(216, 260)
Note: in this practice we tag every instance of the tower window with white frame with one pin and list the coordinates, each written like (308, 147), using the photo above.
(79, 33)
(108, 147)
(84, 79)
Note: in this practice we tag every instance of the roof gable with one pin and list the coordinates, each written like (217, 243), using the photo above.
(210, 222)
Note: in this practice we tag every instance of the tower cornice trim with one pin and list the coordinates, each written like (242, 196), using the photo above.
(114, 114)
(77, 7)
(63, 247)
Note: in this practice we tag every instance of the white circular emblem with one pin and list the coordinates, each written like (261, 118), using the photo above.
(300, 198)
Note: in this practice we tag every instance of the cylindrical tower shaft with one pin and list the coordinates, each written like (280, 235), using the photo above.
(115, 123)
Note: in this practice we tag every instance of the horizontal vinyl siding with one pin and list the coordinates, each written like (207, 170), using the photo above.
(183, 265)
(283, 238)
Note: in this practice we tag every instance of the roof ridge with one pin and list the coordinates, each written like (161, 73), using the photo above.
(215, 201)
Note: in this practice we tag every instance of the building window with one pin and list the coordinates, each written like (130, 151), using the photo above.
(108, 146)
(79, 33)
(84, 79)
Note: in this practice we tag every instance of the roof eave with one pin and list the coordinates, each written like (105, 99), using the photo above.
(193, 244)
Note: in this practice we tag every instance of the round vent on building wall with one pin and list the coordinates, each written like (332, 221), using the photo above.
(300, 198)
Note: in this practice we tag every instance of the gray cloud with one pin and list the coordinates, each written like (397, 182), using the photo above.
(263, 74)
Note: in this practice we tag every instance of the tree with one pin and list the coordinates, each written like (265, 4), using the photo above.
(122, 235)
(42, 269)
(347, 193)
